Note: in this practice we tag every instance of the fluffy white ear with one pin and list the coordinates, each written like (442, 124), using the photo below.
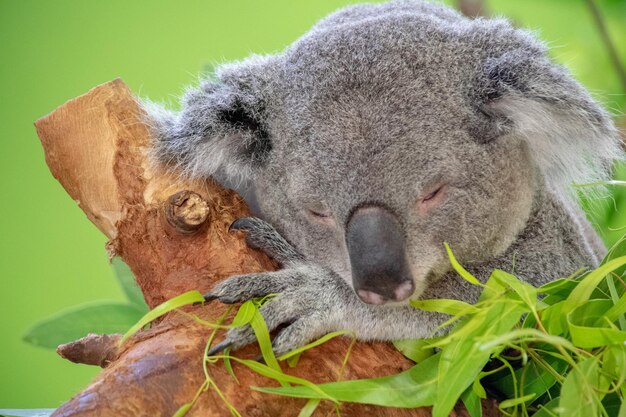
(571, 138)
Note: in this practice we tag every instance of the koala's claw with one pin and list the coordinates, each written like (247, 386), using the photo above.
(208, 297)
(224, 344)
(261, 235)
(242, 223)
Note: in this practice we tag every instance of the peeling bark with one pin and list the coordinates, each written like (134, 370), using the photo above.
(173, 233)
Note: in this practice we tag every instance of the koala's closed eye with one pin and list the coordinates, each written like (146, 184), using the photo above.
(320, 214)
(432, 198)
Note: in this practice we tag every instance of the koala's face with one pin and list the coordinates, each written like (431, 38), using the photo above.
(388, 130)
(379, 158)
(378, 182)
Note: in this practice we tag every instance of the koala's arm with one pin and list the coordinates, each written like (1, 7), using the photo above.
(314, 301)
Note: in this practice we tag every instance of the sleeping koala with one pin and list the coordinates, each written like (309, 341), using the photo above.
(385, 131)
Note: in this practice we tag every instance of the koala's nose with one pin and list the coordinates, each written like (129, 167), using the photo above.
(402, 292)
(376, 246)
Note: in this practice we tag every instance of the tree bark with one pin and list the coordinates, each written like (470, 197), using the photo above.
(173, 233)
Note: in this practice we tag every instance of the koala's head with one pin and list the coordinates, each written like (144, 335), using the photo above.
(390, 129)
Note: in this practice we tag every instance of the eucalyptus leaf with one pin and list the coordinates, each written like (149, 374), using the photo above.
(536, 378)
(588, 329)
(128, 283)
(440, 305)
(549, 409)
(472, 402)
(526, 292)
(614, 362)
(415, 349)
(578, 393)
(463, 359)
(244, 315)
(263, 337)
(321, 340)
(588, 284)
(412, 388)
(189, 297)
(309, 408)
(513, 402)
(183, 410)
(102, 317)
(459, 268)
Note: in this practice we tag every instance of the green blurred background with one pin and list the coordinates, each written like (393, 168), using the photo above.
(51, 256)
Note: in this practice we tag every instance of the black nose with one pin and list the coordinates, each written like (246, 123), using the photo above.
(375, 241)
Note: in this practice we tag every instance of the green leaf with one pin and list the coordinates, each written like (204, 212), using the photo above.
(445, 306)
(282, 378)
(412, 388)
(182, 410)
(526, 292)
(189, 297)
(614, 362)
(309, 408)
(492, 342)
(313, 344)
(128, 283)
(588, 284)
(228, 365)
(588, 327)
(100, 317)
(244, 315)
(618, 249)
(560, 287)
(417, 350)
(550, 409)
(551, 318)
(293, 360)
(617, 311)
(578, 395)
(463, 359)
(263, 337)
(459, 268)
(472, 403)
(478, 388)
(536, 378)
(516, 401)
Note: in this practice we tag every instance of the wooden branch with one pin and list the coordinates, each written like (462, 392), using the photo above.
(174, 236)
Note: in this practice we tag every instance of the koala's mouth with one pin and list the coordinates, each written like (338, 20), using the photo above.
(375, 242)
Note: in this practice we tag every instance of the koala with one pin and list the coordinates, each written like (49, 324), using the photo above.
(385, 131)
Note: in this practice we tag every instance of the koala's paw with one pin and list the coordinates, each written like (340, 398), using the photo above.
(302, 305)
(304, 293)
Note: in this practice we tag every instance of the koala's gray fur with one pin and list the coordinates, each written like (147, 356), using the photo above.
(373, 108)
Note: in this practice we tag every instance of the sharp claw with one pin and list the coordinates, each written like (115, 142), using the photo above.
(242, 223)
(219, 347)
(209, 297)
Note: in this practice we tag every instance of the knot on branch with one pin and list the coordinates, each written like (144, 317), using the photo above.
(186, 212)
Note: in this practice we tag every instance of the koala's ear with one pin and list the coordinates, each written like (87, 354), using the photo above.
(220, 132)
(570, 137)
